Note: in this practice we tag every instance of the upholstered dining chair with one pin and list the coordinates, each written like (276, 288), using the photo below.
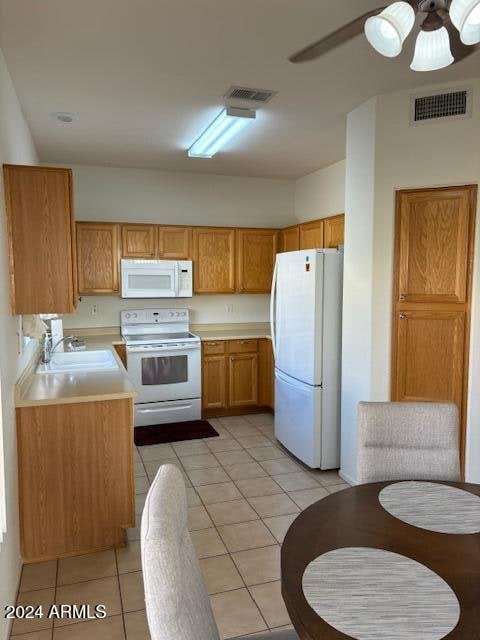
(407, 440)
(177, 604)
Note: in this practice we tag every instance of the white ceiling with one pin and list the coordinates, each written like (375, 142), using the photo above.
(146, 76)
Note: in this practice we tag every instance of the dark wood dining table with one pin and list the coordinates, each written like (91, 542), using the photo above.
(355, 518)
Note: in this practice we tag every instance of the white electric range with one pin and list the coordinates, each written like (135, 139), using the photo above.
(164, 364)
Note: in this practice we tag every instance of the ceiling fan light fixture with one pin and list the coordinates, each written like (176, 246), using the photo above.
(465, 15)
(387, 31)
(432, 51)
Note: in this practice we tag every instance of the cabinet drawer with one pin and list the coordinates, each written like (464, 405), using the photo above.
(242, 346)
(213, 347)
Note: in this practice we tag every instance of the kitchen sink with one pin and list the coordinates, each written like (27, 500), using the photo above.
(71, 361)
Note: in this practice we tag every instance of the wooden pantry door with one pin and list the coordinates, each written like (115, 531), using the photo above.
(432, 296)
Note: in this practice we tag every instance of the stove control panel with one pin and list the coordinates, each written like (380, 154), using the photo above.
(153, 316)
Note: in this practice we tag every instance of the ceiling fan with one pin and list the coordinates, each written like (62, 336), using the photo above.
(449, 32)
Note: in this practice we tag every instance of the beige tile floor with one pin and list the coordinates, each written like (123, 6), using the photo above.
(244, 490)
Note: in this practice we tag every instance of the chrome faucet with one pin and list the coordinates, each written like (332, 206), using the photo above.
(48, 348)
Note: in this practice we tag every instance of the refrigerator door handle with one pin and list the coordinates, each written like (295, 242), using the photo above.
(288, 381)
(272, 310)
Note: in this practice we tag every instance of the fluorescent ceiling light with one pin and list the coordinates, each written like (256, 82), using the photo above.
(465, 15)
(226, 125)
(387, 31)
(432, 51)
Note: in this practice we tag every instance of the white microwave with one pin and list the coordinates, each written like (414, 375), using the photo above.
(156, 278)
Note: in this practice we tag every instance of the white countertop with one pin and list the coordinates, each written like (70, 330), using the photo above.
(246, 331)
(34, 389)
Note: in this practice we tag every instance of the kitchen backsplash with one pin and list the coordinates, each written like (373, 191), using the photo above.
(104, 311)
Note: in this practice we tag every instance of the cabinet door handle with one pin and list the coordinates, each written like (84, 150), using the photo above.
(403, 296)
(402, 316)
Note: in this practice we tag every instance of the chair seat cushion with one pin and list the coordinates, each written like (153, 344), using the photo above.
(286, 634)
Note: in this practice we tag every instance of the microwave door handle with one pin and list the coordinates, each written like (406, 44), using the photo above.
(176, 275)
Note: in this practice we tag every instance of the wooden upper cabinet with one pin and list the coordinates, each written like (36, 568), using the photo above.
(214, 260)
(433, 227)
(139, 241)
(175, 243)
(429, 359)
(289, 239)
(41, 239)
(311, 235)
(98, 253)
(256, 252)
(333, 231)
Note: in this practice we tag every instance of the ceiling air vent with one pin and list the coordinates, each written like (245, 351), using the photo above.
(441, 105)
(252, 95)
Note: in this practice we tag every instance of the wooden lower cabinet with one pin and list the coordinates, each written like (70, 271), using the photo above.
(76, 477)
(237, 376)
(121, 350)
(243, 379)
(214, 378)
(266, 366)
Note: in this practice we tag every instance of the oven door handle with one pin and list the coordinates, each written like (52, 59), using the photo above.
(164, 350)
(162, 409)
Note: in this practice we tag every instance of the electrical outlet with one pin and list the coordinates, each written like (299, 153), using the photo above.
(230, 308)
(94, 310)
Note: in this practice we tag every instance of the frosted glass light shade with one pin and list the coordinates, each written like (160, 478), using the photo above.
(465, 15)
(432, 51)
(387, 31)
(226, 126)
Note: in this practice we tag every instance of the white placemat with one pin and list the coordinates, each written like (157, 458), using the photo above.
(436, 507)
(372, 594)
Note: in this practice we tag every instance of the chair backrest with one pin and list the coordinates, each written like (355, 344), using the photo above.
(407, 441)
(178, 607)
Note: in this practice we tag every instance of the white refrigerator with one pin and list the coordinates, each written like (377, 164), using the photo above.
(306, 326)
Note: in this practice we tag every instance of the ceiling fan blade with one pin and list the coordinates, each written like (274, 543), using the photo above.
(335, 39)
(460, 51)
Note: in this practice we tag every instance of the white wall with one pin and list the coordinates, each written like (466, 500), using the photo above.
(434, 154)
(203, 309)
(321, 194)
(358, 275)
(16, 146)
(126, 195)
